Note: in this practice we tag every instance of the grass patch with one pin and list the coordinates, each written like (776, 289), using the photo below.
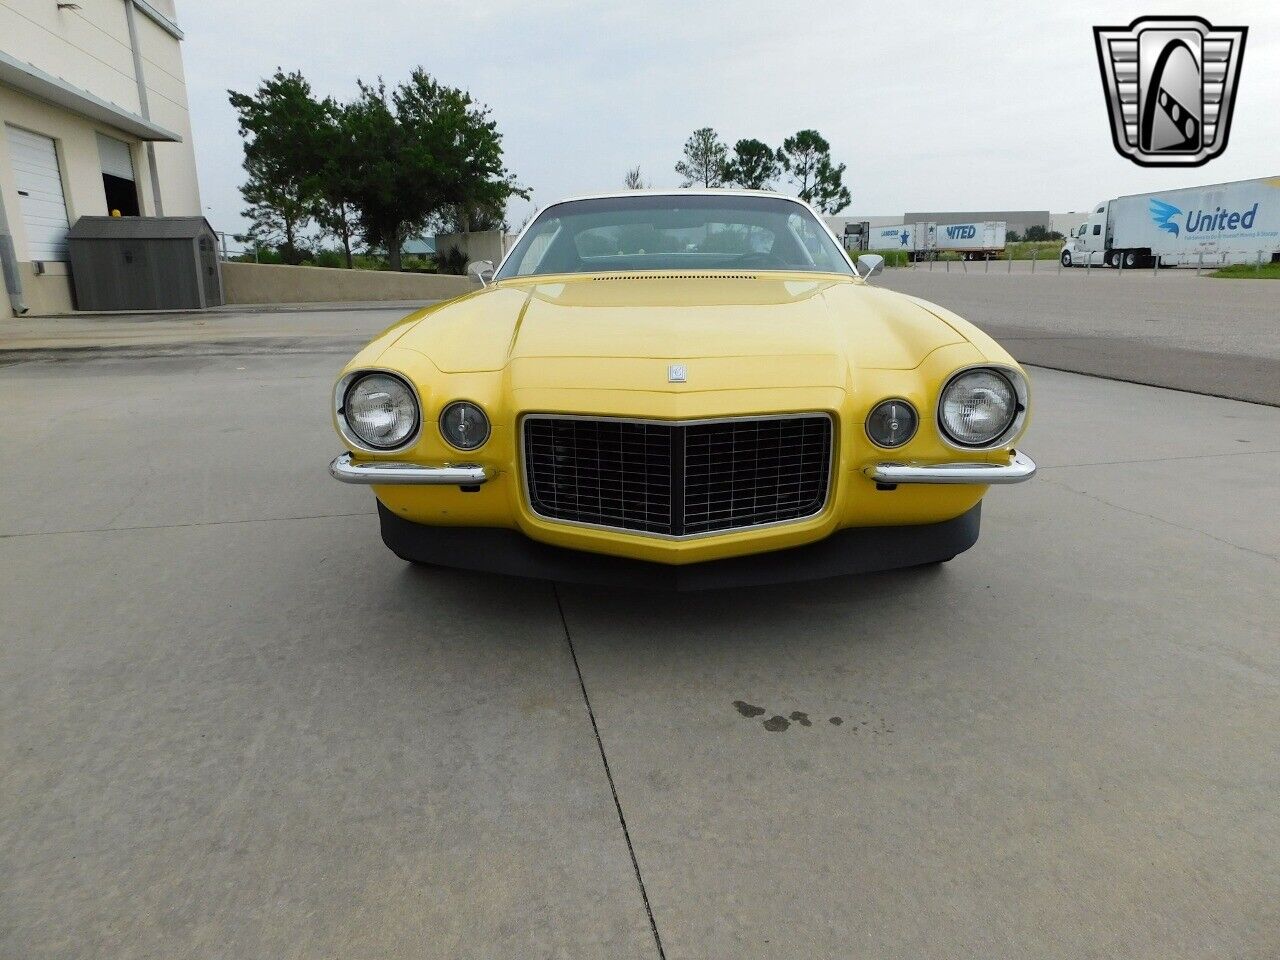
(1043, 250)
(1249, 271)
(892, 258)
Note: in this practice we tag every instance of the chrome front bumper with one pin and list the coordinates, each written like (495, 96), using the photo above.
(389, 473)
(1019, 469)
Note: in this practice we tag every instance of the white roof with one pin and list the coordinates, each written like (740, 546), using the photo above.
(679, 192)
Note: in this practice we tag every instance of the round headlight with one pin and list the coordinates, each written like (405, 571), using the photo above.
(977, 408)
(464, 425)
(892, 423)
(381, 411)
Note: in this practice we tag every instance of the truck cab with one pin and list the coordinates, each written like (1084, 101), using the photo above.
(1089, 242)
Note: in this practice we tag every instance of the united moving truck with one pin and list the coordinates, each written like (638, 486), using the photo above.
(922, 241)
(1216, 224)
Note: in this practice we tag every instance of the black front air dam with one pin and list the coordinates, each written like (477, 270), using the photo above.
(854, 550)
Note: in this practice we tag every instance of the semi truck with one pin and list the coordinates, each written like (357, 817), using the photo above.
(1216, 224)
(925, 240)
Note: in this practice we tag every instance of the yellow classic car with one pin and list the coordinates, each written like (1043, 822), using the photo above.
(681, 389)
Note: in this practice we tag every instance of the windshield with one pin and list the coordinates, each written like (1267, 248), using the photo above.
(674, 232)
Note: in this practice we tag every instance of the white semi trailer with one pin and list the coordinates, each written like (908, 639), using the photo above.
(925, 240)
(909, 237)
(1216, 224)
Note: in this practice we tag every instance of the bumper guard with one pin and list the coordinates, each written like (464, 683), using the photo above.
(391, 473)
(1017, 470)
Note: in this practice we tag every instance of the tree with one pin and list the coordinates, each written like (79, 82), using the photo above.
(335, 212)
(284, 129)
(457, 218)
(754, 165)
(807, 159)
(634, 181)
(704, 159)
(1038, 232)
(338, 220)
(424, 147)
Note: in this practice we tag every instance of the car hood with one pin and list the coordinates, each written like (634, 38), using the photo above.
(799, 328)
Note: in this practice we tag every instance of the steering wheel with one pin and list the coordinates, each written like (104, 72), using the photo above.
(759, 259)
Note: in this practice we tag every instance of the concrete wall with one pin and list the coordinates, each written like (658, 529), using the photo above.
(167, 97)
(47, 293)
(481, 245)
(271, 283)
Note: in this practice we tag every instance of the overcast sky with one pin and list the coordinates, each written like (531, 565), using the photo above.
(955, 106)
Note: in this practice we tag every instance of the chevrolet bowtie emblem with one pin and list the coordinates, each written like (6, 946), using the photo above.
(677, 373)
(1170, 84)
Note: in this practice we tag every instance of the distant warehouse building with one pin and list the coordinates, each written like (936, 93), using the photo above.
(1064, 223)
(93, 119)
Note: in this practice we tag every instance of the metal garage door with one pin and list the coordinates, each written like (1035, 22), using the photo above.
(40, 200)
(115, 157)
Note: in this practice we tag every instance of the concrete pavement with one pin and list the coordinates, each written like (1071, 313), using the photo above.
(1171, 329)
(233, 724)
(1056, 746)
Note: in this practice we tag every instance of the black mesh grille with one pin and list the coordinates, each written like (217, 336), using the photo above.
(677, 479)
(745, 472)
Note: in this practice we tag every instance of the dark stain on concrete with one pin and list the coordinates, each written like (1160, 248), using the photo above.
(778, 723)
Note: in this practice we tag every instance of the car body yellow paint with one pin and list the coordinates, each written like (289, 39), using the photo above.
(601, 345)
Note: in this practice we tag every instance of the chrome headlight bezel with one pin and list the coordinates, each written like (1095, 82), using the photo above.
(343, 388)
(444, 433)
(915, 428)
(1015, 379)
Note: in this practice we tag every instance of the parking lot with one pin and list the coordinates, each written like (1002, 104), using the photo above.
(1168, 328)
(235, 725)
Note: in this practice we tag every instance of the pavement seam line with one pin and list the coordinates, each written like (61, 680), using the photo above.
(613, 788)
(1171, 523)
(181, 526)
(1191, 456)
(1148, 383)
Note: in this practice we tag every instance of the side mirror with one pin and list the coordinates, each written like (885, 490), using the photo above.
(482, 270)
(868, 265)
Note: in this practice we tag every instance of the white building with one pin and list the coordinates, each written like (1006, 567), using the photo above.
(93, 119)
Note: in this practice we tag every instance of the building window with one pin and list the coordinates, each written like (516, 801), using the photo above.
(118, 178)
